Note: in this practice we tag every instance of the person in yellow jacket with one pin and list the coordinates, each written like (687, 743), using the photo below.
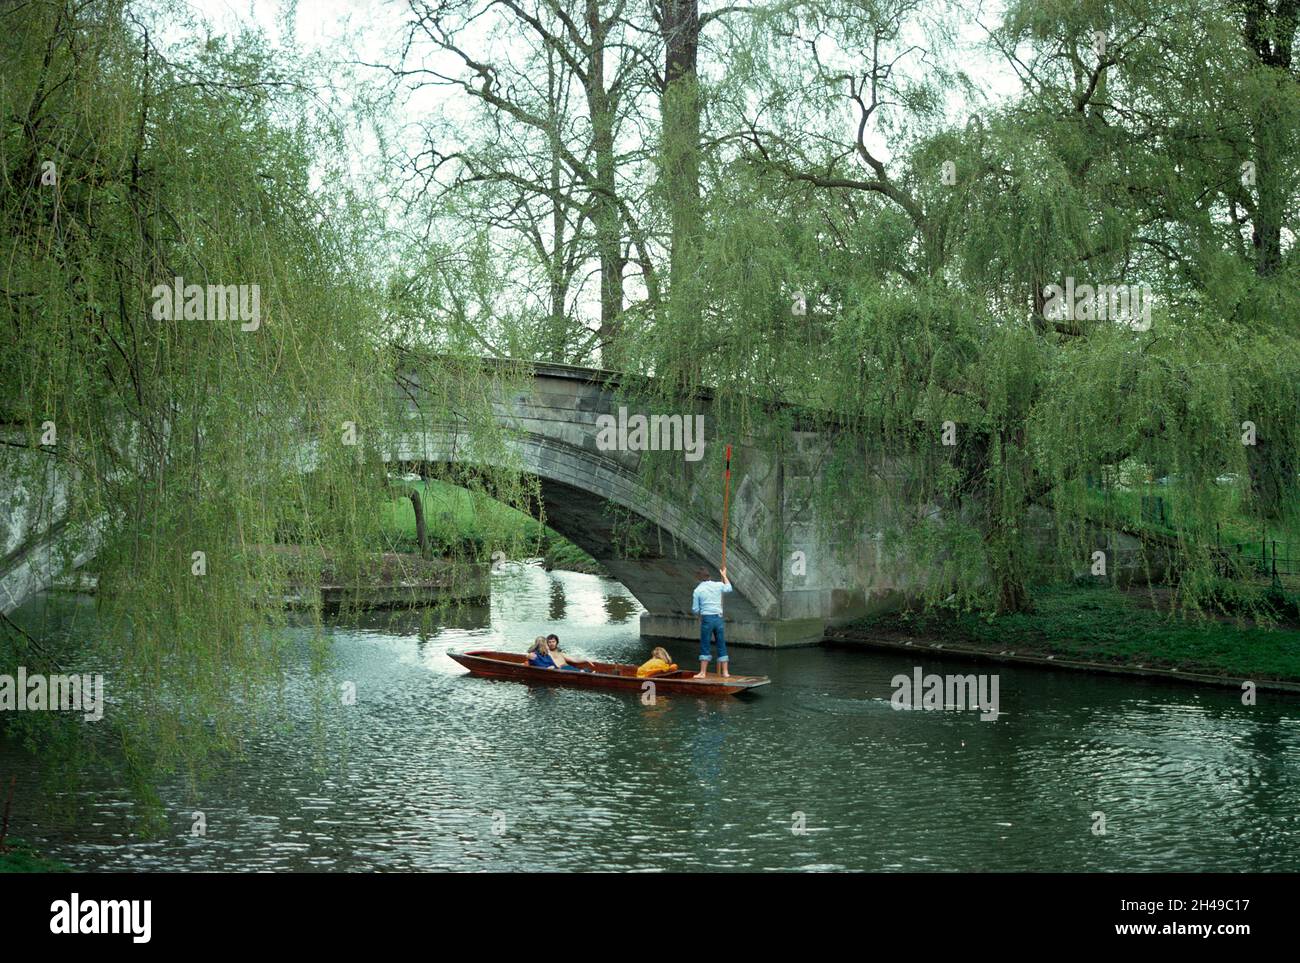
(660, 662)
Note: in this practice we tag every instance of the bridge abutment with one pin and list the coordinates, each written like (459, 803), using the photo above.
(753, 633)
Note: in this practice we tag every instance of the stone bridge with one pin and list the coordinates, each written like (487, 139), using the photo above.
(589, 490)
(789, 583)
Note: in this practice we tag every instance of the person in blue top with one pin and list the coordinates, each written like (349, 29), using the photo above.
(545, 653)
(539, 656)
(707, 604)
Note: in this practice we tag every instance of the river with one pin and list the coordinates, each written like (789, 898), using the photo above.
(433, 769)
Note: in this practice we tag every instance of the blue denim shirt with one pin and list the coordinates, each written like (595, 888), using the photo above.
(707, 599)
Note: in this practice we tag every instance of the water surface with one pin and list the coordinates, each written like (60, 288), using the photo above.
(433, 769)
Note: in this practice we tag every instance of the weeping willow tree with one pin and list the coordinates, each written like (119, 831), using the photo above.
(223, 460)
(870, 256)
(856, 240)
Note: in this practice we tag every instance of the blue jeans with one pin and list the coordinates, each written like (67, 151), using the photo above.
(711, 627)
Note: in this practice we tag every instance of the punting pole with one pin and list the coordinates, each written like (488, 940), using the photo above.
(726, 505)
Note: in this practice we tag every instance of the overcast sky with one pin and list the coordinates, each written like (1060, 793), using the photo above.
(344, 30)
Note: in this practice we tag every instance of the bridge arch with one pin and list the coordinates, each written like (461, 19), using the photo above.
(550, 415)
(577, 486)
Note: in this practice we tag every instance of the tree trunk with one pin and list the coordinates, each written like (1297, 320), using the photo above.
(1271, 187)
(608, 223)
(1012, 595)
(558, 337)
(1269, 467)
(680, 108)
(1270, 35)
(680, 168)
(421, 531)
(1008, 509)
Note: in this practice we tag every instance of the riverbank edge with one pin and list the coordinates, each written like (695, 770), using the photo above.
(898, 642)
(399, 580)
(467, 582)
(21, 858)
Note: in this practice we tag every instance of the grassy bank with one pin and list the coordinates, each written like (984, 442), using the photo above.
(461, 522)
(1137, 508)
(1107, 626)
(17, 857)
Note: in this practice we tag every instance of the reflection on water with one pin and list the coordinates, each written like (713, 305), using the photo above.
(557, 600)
(620, 609)
(433, 769)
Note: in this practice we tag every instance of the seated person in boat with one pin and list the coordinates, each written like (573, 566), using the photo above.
(565, 662)
(660, 662)
(539, 654)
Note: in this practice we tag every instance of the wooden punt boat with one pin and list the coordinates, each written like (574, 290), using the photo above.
(608, 675)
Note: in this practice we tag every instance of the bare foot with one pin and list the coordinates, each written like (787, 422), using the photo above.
(698, 675)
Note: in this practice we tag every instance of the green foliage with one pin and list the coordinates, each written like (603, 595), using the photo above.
(465, 524)
(179, 436)
(803, 260)
(20, 858)
(1098, 624)
(1117, 161)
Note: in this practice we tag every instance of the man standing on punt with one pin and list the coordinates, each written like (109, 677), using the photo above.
(707, 604)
